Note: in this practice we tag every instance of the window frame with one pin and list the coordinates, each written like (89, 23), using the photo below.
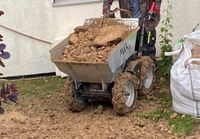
(73, 2)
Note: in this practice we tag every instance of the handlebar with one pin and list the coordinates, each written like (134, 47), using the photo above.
(116, 10)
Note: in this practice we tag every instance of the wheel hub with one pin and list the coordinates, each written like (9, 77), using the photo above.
(148, 79)
(129, 93)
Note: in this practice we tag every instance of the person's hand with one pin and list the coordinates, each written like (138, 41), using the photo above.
(106, 12)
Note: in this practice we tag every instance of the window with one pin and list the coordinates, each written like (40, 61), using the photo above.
(73, 2)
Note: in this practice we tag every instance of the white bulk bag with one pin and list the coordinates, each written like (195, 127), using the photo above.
(185, 77)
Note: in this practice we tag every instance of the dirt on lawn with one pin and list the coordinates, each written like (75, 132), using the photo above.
(47, 117)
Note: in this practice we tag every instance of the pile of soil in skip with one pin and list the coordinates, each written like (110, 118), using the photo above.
(92, 42)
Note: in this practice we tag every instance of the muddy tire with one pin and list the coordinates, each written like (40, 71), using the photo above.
(148, 82)
(124, 93)
(147, 76)
(75, 102)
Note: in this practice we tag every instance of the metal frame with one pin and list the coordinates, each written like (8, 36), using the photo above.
(103, 73)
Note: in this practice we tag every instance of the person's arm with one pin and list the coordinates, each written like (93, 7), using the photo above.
(106, 6)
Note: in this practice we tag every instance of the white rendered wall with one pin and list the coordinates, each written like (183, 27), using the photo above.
(39, 19)
(34, 18)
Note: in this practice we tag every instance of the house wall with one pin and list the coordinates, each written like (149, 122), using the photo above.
(37, 18)
(33, 18)
(185, 15)
(66, 18)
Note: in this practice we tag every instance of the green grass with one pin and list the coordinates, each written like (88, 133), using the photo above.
(39, 86)
(184, 125)
(155, 115)
(35, 90)
(181, 124)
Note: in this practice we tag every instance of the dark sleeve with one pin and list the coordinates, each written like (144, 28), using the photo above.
(106, 5)
(152, 23)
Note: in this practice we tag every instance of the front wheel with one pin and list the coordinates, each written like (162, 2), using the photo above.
(75, 102)
(124, 93)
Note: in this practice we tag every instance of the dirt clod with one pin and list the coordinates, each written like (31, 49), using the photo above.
(99, 110)
(73, 39)
(174, 115)
(110, 34)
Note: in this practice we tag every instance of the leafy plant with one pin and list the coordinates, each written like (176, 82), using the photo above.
(7, 92)
(165, 63)
(3, 54)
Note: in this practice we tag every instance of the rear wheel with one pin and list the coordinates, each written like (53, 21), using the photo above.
(124, 93)
(75, 102)
(148, 80)
(147, 76)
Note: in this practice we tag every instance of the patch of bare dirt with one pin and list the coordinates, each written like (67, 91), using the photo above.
(49, 118)
(84, 125)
